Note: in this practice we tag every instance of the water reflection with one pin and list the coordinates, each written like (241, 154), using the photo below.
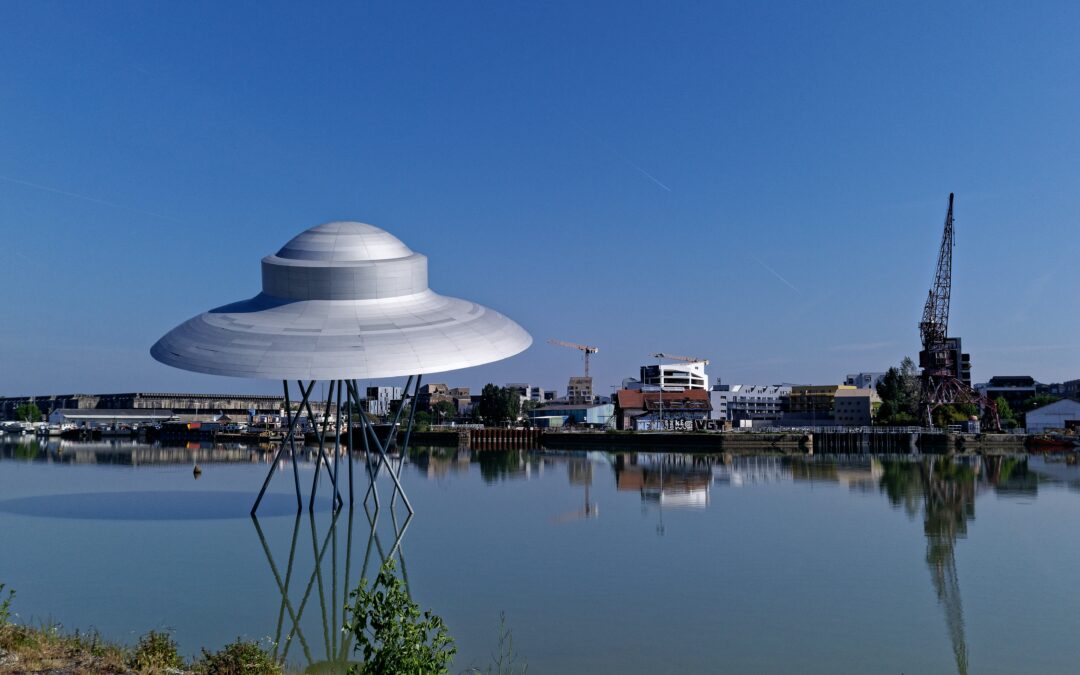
(664, 479)
(328, 584)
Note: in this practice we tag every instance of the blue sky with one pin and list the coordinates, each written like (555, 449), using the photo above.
(762, 184)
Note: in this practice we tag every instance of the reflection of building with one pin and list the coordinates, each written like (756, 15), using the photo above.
(666, 480)
(676, 376)
(645, 410)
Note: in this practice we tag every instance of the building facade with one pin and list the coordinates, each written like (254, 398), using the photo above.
(864, 380)
(1015, 389)
(379, 399)
(737, 403)
(647, 410)
(1063, 414)
(185, 406)
(676, 376)
(579, 390)
(855, 407)
(564, 414)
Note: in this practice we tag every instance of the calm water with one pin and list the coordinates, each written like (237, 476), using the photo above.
(601, 563)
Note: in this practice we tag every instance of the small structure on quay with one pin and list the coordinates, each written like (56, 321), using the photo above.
(342, 301)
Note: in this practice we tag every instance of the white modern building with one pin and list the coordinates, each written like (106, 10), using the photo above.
(676, 376)
(527, 392)
(737, 403)
(379, 398)
(1061, 414)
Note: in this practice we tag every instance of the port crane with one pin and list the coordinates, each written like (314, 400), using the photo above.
(585, 349)
(686, 359)
(940, 359)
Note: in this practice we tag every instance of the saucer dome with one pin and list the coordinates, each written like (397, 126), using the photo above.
(342, 300)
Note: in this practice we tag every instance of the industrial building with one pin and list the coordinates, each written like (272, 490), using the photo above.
(1063, 414)
(830, 405)
(185, 406)
(566, 414)
(648, 410)
(106, 417)
(748, 403)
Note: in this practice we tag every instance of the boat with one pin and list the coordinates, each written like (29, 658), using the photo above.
(1051, 443)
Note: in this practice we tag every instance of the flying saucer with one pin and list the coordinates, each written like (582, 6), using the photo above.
(342, 300)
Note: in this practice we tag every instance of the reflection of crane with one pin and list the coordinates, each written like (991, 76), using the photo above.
(949, 504)
(687, 359)
(586, 349)
(941, 359)
(580, 473)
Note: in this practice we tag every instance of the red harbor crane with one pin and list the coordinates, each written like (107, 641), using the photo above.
(945, 367)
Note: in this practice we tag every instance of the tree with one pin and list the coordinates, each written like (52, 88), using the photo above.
(1005, 413)
(444, 411)
(900, 395)
(498, 405)
(1037, 401)
(28, 412)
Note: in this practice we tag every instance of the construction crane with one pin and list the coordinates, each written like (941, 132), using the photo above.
(940, 358)
(687, 359)
(586, 349)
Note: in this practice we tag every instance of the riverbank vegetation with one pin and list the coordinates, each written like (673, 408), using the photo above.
(392, 634)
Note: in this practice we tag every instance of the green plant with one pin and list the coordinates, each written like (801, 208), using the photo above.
(238, 658)
(395, 637)
(503, 662)
(5, 606)
(156, 653)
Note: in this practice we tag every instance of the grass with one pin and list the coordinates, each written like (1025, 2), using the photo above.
(49, 648)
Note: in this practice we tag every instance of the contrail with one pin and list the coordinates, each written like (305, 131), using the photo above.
(776, 274)
(622, 157)
(643, 171)
(76, 195)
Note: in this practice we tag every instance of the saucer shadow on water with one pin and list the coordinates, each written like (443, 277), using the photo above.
(149, 505)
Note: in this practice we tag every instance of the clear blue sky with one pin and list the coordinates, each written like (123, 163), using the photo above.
(760, 183)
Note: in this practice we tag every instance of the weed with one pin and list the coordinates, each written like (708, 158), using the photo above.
(238, 658)
(156, 653)
(5, 606)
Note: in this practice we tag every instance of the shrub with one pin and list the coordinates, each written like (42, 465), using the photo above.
(395, 637)
(156, 653)
(238, 658)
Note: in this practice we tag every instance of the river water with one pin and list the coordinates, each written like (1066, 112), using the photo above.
(596, 562)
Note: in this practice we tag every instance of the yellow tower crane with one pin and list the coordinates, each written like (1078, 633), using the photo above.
(586, 349)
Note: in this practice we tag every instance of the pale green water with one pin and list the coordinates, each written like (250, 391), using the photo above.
(601, 563)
